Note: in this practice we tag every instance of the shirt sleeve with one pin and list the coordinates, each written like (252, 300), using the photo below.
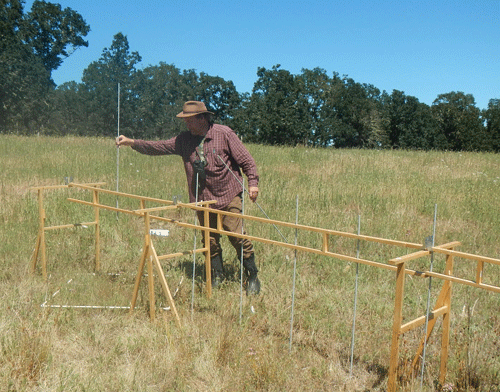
(156, 147)
(243, 158)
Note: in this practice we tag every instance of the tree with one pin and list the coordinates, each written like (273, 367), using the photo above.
(161, 91)
(219, 95)
(492, 118)
(357, 119)
(31, 47)
(409, 123)
(278, 109)
(49, 31)
(459, 122)
(101, 78)
(23, 79)
(70, 112)
(315, 87)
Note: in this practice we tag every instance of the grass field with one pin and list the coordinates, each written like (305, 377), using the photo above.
(394, 194)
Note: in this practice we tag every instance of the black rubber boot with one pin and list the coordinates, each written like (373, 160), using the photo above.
(216, 271)
(253, 282)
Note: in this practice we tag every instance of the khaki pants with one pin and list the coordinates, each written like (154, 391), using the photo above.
(229, 223)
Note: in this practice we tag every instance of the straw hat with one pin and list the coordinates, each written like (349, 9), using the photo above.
(193, 108)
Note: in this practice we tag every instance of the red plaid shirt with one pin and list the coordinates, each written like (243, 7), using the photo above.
(222, 150)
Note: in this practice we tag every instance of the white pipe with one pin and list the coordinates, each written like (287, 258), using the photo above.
(89, 307)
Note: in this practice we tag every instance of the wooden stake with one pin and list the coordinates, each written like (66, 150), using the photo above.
(396, 326)
(149, 261)
(445, 340)
(164, 284)
(145, 252)
(41, 213)
(97, 232)
(208, 262)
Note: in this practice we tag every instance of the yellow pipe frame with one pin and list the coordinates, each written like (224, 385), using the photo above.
(397, 265)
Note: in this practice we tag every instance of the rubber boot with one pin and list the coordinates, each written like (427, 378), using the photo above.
(216, 271)
(253, 282)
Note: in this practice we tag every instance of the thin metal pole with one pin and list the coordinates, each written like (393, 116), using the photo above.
(428, 300)
(118, 152)
(245, 190)
(241, 255)
(355, 298)
(194, 253)
(294, 271)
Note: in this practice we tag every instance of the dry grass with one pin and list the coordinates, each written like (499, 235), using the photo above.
(394, 193)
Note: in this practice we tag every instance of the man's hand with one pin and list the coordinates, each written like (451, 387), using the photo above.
(124, 141)
(253, 192)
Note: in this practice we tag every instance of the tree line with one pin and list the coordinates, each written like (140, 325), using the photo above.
(312, 108)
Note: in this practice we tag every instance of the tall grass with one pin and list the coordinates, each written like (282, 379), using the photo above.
(393, 192)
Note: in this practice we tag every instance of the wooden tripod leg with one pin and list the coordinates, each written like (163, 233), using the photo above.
(44, 255)
(138, 277)
(208, 262)
(396, 327)
(34, 257)
(97, 232)
(445, 342)
(430, 326)
(444, 299)
(164, 284)
(151, 287)
(445, 339)
(41, 234)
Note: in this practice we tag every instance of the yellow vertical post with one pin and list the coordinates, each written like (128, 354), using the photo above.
(138, 277)
(40, 241)
(34, 257)
(163, 282)
(149, 261)
(97, 232)
(396, 327)
(151, 286)
(445, 339)
(325, 247)
(41, 214)
(208, 262)
(479, 272)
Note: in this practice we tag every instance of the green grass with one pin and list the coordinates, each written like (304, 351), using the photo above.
(393, 192)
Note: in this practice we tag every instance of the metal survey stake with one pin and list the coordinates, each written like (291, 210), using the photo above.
(294, 271)
(245, 190)
(118, 152)
(428, 241)
(241, 257)
(353, 333)
(194, 251)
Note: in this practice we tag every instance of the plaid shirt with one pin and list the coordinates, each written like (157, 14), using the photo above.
(222, 149)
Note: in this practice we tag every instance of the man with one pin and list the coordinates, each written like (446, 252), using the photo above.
(213, 156)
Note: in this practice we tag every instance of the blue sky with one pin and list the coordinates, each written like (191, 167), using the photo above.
(424, 48)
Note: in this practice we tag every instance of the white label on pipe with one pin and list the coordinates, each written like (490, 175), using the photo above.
(160, 232)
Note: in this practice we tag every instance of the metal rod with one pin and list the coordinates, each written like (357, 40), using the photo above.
(118, 152)
(294, 271)
(245, 190)
(194, 252)
(355, 298)
(241, 255)
(428, 300)
(89, 307)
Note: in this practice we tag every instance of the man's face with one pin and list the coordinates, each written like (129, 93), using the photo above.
(197, 125)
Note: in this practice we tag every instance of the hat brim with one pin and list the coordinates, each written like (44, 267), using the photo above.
(184, 115)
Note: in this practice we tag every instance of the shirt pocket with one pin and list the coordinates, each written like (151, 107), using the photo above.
(216, 160)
